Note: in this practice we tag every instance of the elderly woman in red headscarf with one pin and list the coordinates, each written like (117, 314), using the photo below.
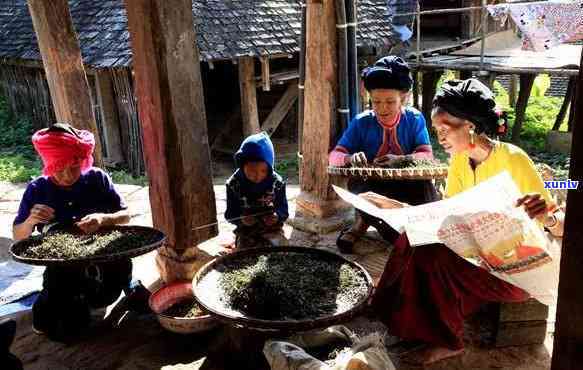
(71, 192)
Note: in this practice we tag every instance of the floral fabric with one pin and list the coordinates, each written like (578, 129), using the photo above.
(544, 24)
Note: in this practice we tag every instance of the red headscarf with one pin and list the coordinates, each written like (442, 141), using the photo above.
(59, 149)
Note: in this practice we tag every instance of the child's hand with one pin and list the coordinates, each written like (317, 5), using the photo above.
(270, 220)
(90, 223)
(248, 220)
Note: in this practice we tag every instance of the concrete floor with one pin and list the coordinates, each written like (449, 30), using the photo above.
(140, 343)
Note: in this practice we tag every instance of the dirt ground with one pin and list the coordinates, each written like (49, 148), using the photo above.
(138, 341)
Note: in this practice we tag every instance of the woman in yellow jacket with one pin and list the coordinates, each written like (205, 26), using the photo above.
(425, 295)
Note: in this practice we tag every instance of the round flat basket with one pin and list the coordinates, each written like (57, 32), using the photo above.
(384, 173)
(173, 293)
(154, 241)
(209, 292)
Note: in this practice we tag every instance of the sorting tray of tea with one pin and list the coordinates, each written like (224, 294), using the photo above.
(71, 246)
(387, 173)
(282, 289)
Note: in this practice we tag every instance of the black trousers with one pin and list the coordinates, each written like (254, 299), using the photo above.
(414, 192)
(69, 293)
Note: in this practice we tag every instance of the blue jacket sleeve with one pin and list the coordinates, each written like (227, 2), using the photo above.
(280, 203)
(233, 207)
(350, 139)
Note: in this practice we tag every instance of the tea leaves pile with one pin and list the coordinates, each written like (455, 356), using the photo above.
(63, 245)
(187, 309)
(291, 286)
(412, 163)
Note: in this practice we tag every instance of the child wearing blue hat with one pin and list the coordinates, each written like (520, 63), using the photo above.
(256, 199)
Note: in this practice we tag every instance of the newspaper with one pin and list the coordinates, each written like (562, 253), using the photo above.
(484, 226)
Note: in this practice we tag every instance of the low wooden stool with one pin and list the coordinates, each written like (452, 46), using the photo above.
(520, 323)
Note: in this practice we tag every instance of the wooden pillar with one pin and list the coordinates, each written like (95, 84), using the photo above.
(317, 201)
(248, 92)
(568, 340)
(570, 123)
(416, 89)
(168, 86)
(63, 66)
(565, 106)
(513, 90)
(429, 87)
(487, 78)
(109, 116)
(526, 82)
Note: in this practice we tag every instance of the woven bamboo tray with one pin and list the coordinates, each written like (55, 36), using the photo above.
(207, 292)
(17, 249)
(384, 173)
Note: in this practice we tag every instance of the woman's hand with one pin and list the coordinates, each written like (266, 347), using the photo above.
(91, 223)
(535, 206)
(382, 201)
(39, 213)
(358, 160)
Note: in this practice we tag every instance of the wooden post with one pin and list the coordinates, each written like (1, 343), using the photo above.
(63, 66)
(317, 201)
(526, 82)
(109, 116)
(248, 92)
(576, 87)
(416, 89)
(488, 78)
(174, 132)
(513, 91)
(429, 87)
(568, 341)
(265, 74)
(565, 106)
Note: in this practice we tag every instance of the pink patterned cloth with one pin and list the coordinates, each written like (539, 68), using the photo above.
(543, 24)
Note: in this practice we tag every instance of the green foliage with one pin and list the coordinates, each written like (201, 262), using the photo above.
(17, 168)
(285, 166)
(123, 177)
(540, 86)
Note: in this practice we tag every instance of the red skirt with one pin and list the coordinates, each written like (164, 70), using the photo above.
(426, 292)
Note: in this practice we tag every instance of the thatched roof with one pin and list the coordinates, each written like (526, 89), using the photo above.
(226, 29)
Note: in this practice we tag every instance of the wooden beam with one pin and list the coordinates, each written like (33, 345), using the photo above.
(428, 89)
(249, 113)
(63, 66)
(265, 74)
(168, 86)
(526, 82)
(109, 116)
(565, 106)
(568, 339)
(281, 109)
